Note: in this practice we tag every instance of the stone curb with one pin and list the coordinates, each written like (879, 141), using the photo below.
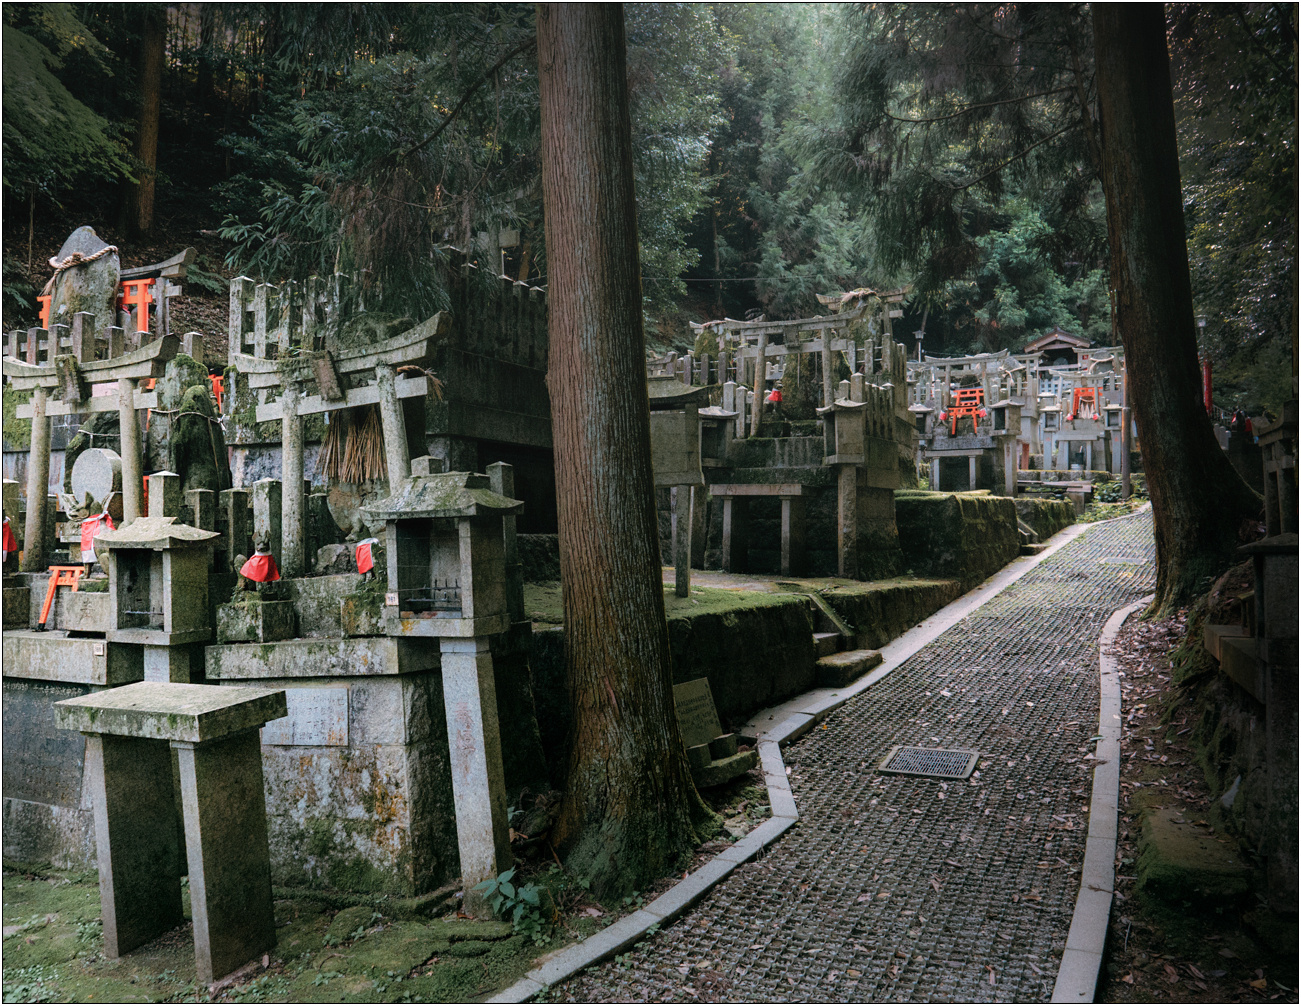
(1077, 977)
(799, 721)
(618, 936)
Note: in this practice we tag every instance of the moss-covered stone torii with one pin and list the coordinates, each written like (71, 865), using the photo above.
(71, 377)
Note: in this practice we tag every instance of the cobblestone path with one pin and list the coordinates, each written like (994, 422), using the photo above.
(906, 889)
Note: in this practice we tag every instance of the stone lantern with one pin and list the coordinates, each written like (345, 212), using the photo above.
(675, 460)
(158, 592)
(447, 580)
(1005, 417)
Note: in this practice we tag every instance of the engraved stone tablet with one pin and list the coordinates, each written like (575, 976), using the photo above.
(696, 713)
(318, 717)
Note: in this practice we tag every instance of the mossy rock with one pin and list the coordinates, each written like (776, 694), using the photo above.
(454, 930)
(348, 921)
(1184, 865)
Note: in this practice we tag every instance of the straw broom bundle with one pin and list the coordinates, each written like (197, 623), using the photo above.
(354, 447)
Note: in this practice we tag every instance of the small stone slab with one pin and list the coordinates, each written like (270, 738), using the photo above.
(171, 712)
(1178, 861)
(724, 769)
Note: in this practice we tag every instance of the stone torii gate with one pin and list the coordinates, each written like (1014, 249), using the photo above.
(339, 376)
(63, 386)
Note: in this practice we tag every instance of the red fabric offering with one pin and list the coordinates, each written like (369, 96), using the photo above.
(775, 396)
(90, 527)
(365, 560)
(261, 568)
(10, 542)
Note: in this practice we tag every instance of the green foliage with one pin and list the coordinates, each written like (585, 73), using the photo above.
(521, 904)
(52, 141)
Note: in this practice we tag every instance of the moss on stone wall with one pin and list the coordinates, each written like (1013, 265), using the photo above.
(17, 432)
(883, 610)
(1045, 516)
(957, 536)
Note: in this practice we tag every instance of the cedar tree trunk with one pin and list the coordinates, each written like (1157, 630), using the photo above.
(1198, 501)
(630, 812)
(153, 45)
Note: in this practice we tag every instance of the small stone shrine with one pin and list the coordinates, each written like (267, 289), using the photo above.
(131, 736)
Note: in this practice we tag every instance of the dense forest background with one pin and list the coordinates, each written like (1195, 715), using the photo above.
(783, 151)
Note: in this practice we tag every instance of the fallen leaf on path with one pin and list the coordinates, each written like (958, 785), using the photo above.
(1129, 978)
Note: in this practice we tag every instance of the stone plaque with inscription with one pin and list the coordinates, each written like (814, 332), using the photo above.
(697, 716)
(41, 762)
(318, 717)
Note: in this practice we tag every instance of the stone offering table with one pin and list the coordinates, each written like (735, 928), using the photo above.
(130, 733)
(736, 499)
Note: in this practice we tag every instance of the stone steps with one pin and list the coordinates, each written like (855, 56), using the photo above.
(839, 669)
(1033, 548)
(826, 643)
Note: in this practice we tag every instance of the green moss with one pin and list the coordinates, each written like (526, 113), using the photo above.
(17, 432)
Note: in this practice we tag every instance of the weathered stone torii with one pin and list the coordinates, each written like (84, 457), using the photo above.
(331, 371)
(62, 387)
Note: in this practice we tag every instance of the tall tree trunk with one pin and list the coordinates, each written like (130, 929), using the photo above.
(1198, 500)
(153, 45)
(630, 810)
(205, 82)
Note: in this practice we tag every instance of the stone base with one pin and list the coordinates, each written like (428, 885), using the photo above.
(1180, 863)
(724, 769)
(255, 622)
(16, 605)
(34, 832)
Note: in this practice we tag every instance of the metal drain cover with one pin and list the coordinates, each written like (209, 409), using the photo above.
(940, 763)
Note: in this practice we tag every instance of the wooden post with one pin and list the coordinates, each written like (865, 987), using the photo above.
(129, 431)
(760, 380)
(38, 477)
(397, 453)
(291, 472)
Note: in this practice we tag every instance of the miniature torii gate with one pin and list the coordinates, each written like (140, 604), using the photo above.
(329, 370)
(74, 374)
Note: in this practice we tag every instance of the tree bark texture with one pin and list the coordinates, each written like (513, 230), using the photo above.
(153, 46)
(630, 809)
(1198, 500)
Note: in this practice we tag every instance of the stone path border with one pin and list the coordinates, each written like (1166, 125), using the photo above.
(793, 719)
(1077, 976)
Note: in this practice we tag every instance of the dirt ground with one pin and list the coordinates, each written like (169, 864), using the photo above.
(1159, 953)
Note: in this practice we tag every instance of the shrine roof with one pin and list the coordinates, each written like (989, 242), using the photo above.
(156, 533)
(447, 494)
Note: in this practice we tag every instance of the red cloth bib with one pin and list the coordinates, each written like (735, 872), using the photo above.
(775, 396)
(10, 543)
(90, 527)
(365, 560)
(261, 568)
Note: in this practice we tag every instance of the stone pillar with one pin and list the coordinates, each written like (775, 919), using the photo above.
(847, 521)
(164, 494)
(681, 530)
(266, 515)
(234, 508)
(501, 477)
(38, 477)
(736, 533)
(136, 837)
(699, 524)
(827, 376)
(168, 664)
(83, 337)
(793, 538)
(973, 464)
(396, 452)
(935, 475)
(201, 509)
(129, 431)
(760, 379)
(226, 844)
(291, 475)
(116, 343)
(478, 782)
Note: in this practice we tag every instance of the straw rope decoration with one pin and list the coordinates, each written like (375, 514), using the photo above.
(353, 451)
(76, 258)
